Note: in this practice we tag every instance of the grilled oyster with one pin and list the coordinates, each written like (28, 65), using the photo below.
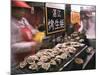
(53, 62)
(44, 58)
(33, 66)
(46, 66)
(22, 64)
(63, 56)
(32, 59)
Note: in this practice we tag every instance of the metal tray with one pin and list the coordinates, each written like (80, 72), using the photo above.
(53, 68)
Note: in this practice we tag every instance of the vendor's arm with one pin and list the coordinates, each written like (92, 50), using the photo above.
(23, 46)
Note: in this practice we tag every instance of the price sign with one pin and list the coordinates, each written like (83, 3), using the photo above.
(54, 20)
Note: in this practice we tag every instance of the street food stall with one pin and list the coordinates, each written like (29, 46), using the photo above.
(57, 50)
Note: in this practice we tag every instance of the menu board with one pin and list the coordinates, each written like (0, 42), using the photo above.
(54, 20)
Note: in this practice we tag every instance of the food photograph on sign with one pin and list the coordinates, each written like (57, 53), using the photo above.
(52, 37)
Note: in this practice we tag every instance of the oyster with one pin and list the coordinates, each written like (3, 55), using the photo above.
(22, 64)
(33, 67)
(46, 66)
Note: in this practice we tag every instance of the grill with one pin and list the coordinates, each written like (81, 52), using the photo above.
(57, 68)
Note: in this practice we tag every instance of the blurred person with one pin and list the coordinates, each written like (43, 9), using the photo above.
(88, 23)
(22, 43)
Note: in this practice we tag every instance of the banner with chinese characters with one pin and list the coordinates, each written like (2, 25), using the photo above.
(54, 20)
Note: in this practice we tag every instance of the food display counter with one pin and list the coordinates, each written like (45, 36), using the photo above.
(55, 59)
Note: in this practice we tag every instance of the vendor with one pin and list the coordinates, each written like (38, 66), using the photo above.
(88, 24)
(22, 44)
(88, 21)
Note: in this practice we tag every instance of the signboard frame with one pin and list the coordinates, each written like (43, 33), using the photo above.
(46, 22)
